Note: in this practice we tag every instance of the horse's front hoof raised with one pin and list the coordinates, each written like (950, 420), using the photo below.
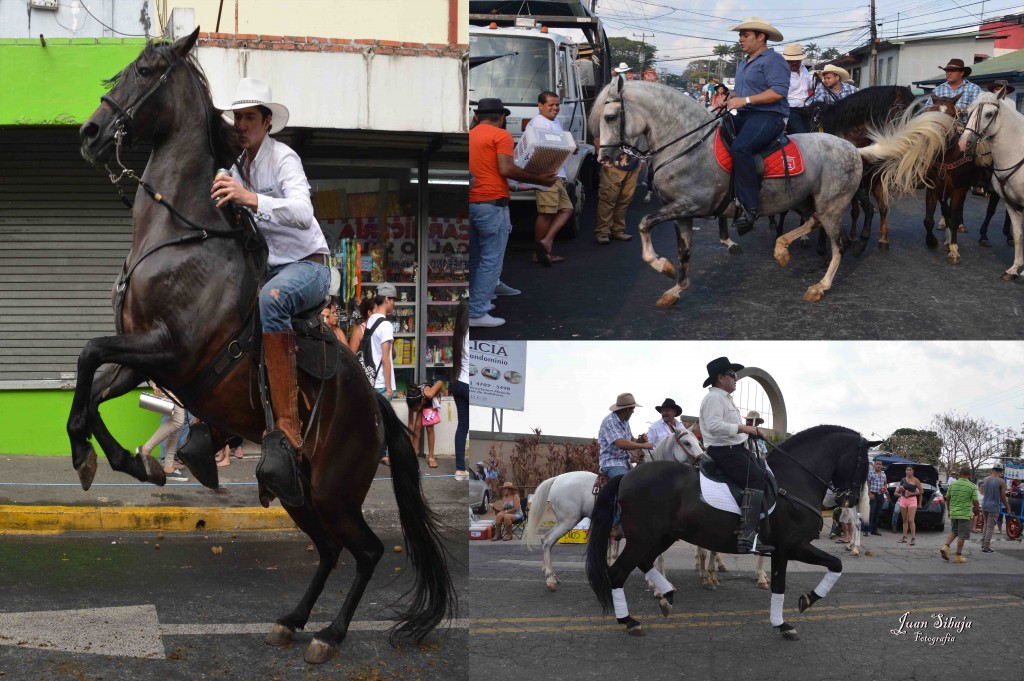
(87, 470)
(154, 471)
(666, 268)
(665, 606)
(667, 300)
(279, 635)
(883, 246)
(1006, 276)
(782, 257)
(761, 584)
(804, 602)
(813, 294)
(319, 652)
(962, 229)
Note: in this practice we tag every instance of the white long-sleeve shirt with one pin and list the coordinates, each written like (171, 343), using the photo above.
(659, 430)
(799, 86)
(720, 420)
(284, 212)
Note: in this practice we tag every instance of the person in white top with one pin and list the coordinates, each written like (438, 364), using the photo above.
(725, 437)
(269, 181)
(383, 339)
(460, 385)
(668, 424)
(799, 88)
(553, 205)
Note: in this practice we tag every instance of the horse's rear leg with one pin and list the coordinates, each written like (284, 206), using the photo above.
(367, 549)
(883, 216)
(775, 616)
(930, 199)
(862, 199)
(309, 522)
(990, 211)
(562, 526)
(684, 241)
(783, 243)
(835, 231)
(956, 211)
(617, 573)
(1018, 256)
(723, 236)
(762, 578)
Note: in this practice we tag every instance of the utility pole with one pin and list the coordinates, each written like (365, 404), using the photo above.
(643, 50)
(873, 52)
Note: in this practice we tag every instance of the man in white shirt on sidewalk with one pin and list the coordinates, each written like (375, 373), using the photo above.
(553, 205)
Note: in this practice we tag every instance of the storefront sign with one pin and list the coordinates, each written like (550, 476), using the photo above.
(497, 374)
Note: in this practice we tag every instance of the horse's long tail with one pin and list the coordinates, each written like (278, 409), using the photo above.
(906, 149)
(597, 542)
(538, 507)
(434, 596)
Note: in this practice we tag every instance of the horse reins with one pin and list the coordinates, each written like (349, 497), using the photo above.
(980, 135)
(839, 494)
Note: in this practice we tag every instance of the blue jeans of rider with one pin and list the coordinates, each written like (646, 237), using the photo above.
(489, 227)
(290, 289)
(614, 472)
(756, 130)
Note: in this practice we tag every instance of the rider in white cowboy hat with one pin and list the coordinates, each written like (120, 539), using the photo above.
(835, 85)
(759, 98)
(623, 67)
(616, 439)
(268, 179)
(799, 88)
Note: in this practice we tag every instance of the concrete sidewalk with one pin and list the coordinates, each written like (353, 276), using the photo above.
(41, 494)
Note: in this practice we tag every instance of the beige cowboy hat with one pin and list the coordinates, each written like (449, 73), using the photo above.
(759, 24)
(256, 92)
(624, 401)
(509, 485)
(793, 52)
(843, 74)
(754, 416)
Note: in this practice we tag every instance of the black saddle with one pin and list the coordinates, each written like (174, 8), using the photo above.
(317, 349)
(710, 470)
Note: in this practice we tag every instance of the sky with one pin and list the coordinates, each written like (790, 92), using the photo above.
(687, 29)
(872, 387)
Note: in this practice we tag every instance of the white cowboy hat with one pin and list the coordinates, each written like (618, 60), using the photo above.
(622, 68)
(256, 92)
(843, 74)
(793, 52)
(759, 24)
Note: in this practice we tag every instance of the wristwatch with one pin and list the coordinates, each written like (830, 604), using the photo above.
(748, 101)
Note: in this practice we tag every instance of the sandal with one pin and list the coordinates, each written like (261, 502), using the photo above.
(912, 540)
(432, 462)
(842, 541)
(223, 461)
(385, 461)
(543, 257)
(902, 541)
(555, 258)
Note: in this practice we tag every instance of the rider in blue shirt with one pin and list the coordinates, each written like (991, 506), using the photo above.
(759, 99)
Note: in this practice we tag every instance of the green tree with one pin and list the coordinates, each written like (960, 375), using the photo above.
(830, 54)
(673, 79)
(923, 446)
(699, 68)
(812, 51)
(637, 54)
(722, 55)
(966, 439)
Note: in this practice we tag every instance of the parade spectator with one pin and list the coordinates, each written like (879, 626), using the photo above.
(490, 163)
(876, 496)
(382, 346)
(720, 97)
(668, 424)
(834, 86)
(426, 398)
(509, 512)
(759, 100)
(961, 499)
(799, 88)
(708, 91)
(167, 430)
(847, 517)
(956, 84)
(232, 446)
(460, 386)
(992, 503)
(330, 317)
(553, 205)
(615, 191)
(756, 445)
(355, 335)
(909, 491)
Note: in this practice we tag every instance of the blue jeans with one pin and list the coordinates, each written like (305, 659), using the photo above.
(489, 227)
(798, 121)
(460, 391)
(876, 511)
(299, 285)
(756, 131)
(614, 472)
(383, 445)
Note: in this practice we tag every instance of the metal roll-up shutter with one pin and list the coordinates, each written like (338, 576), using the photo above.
(64, 234)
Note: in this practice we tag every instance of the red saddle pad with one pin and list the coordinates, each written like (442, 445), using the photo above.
(772, 164)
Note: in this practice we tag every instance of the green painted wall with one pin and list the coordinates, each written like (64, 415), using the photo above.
(59, 84)
(34, 421)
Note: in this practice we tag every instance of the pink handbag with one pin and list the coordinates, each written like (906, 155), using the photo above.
(431, 417)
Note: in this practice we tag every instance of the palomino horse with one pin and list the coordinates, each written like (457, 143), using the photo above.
(183, 296)
(691, 184)
(994, 118)
(661, 504)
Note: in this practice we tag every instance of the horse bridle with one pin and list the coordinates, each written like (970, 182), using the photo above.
(980, 135)
(839, 493)
(124, 124)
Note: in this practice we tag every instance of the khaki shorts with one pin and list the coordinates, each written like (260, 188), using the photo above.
(553, 199)
(961, 528)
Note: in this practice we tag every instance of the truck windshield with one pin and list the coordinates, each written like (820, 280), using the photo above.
(521, 69)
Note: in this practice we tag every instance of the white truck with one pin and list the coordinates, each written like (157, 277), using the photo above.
(515, 57)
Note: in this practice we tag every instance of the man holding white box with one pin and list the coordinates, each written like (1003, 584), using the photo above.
(553, 205)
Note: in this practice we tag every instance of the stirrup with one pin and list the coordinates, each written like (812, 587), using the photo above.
(278, 469)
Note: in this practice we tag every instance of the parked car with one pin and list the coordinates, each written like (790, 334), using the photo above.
(479, 493)
(931, 514)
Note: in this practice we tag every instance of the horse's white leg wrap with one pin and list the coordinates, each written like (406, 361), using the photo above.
(826, 584)
(619, 600)
(775, 612)
(658, 581)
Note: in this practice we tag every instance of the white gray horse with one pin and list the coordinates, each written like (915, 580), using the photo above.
(994, 118)
(690, 183)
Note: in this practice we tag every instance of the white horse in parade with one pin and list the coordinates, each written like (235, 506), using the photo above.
(992, 117)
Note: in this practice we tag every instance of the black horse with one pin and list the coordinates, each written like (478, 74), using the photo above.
(661, 503)
(184, 310)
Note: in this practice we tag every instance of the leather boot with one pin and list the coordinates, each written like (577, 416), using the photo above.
(750, 519)
(745, 222)
(279, 351)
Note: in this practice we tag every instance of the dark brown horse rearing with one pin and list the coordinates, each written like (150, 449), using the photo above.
(181, 309)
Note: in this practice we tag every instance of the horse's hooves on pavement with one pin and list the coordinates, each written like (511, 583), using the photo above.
(735, 249)
(985, 243)
(813, 294)
(551, 584)
(665, 606)
(883, 246)
(1006, 276)
(279, 635)
(319, 652)
(667, 301)
(790, 635)
(858, 248)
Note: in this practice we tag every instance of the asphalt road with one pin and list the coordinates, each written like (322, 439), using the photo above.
(116, 607)
(517, 624)
(910, 292)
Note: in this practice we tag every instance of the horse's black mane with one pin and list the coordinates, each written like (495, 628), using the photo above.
(223, 138)
(861, 469)
(870, 106)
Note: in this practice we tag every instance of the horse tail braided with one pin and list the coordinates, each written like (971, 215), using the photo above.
(538, 506)
(597, 542)
(433, 595)
(906, 149)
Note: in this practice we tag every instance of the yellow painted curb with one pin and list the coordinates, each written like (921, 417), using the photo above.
(51, 519)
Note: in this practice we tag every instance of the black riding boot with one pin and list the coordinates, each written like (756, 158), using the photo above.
(750, 518)
(745, 222)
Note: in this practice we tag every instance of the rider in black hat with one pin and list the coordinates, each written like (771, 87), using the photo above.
(668, 424)
(725, 436)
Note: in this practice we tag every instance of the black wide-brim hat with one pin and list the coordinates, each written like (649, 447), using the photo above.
(669, 403)
(491, 105)
(719, 366)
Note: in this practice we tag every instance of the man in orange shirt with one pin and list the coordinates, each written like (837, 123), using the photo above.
(490, 164)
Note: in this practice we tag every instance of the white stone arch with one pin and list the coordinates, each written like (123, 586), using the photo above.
(768, 390)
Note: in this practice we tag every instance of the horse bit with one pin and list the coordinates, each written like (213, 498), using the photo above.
(980, 135)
